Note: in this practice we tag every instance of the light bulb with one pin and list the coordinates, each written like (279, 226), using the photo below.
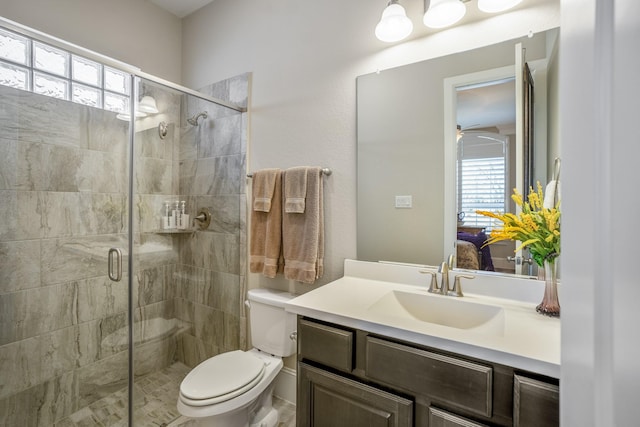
(394, 24)
(443, 13)
(495, 6)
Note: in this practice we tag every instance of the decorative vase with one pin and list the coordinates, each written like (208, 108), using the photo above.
(550, 306)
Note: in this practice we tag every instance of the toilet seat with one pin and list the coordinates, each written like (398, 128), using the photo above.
(221, 378)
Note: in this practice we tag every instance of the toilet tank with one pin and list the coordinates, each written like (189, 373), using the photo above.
(271, 325)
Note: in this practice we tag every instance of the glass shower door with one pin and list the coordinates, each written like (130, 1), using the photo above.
(64, 176)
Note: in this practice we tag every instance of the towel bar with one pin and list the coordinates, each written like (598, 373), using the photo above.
(325, 171)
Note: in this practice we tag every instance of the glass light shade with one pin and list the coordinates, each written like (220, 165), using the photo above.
(148, 105)
(495, 6)
(443, 13)
(394, 24)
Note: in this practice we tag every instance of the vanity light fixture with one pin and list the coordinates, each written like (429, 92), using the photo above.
(394, 24)
(495, 6)
(443, 13)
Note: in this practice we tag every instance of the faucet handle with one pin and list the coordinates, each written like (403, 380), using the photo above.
(457, 287)
(433, 286)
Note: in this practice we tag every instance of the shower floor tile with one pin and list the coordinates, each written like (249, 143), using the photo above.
(154, 405)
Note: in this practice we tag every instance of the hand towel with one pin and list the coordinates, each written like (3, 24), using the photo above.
(295, 189)
(303, 233)
(265, 236)
(263, 185)
(551, 194)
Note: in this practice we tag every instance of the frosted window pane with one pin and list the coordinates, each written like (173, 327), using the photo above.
(116, 81)
(14, 47)
(86, 71)
(50, 86)
(11, 75)
(50, 59)
(86, 95)
(117, 103)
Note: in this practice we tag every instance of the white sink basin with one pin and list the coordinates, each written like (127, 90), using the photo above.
(440, 310)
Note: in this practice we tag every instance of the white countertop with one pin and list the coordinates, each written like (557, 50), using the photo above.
(527, 340)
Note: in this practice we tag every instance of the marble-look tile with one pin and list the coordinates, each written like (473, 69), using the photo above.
(78, 214)
(102, 172)
(36, 311)
(213, 251)
(103, 131)
(99, 298)
(22, 215)
(209, 324)
(68, 259)
(20, 265)
(154, 355)
(221, 138)
(149, 144)
(211, 176)
(62, 166)
(149, 286)
(42, 404)
(102, 378)
(153, 176)
(8, 164)
(220, 291)
(225, 212)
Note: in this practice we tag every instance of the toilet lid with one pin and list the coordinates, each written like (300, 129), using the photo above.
(221, 375)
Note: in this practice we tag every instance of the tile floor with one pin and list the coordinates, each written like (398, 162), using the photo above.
(154, 405)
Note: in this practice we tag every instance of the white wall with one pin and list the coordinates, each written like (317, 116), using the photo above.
(133, 31)
(599, 89)
(305, 57)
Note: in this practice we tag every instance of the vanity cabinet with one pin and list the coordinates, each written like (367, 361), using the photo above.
(350, 377)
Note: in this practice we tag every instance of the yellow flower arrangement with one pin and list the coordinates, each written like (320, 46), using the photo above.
(537, 227)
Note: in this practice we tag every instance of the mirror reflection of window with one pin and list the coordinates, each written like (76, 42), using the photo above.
(482, 178)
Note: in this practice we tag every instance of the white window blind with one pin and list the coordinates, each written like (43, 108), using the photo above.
(482, 179)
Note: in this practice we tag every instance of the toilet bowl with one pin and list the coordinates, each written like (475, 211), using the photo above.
(234, 389)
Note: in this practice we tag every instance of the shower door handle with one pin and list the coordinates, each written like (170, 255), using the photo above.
(116, 275)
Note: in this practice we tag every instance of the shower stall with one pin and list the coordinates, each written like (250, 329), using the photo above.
(102, 309)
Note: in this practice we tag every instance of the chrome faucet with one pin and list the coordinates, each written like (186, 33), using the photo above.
(444, 289)
(444, 278)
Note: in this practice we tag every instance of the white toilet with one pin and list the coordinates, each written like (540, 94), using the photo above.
(234, 389)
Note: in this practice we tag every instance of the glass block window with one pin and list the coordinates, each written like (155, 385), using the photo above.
(48, 70)
(116, 81)
(50, 59)
(14, 76)
(86, 95)
(45, 84)
(86, 71)
(15, 48)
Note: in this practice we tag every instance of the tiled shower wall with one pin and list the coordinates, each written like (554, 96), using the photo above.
(63, 195)
(210, 281)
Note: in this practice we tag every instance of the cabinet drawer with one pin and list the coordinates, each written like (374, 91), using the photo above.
(440, 418)
(325, 344)
(454, 381)
(535, 403)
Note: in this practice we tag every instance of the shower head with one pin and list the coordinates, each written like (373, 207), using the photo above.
(193, 121)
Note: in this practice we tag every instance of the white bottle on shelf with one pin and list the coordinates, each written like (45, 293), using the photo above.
(184, 218)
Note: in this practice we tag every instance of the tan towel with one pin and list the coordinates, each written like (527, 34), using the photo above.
(262, 186)
(265, 236)
(303, 233)
(295, 189)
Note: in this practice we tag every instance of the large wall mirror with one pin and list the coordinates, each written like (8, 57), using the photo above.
(420, 123)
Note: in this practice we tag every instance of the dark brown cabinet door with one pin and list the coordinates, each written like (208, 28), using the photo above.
(329, 400)
(440, 418)
(535, 403)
